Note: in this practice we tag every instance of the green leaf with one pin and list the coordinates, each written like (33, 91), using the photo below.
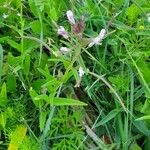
(11, 83)
(36, 26)
(142, 127)
(1, 61)
(42, 120)
(14, 61)
(14, 44)
(135, 147)
(120, 82)
(33, 8)
(58, 101)
(146, 107)
(45, 73)
(147, 144)
(146, 117)
(3, 96)
(29, 143)
(133, 12)
(107, 118)
(26, 64)
(3, 118)
(37, 84)
(38, 103)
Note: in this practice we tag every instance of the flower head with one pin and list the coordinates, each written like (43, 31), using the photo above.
(97, 40)
(70, 17)
(81, 72)
(61, 31)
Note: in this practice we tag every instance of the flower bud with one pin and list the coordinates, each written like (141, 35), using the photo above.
(61, 31)
(70, 17)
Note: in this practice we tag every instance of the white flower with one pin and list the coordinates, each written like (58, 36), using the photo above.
(64, 49)
(148, 17)
(18, 14)
(102, 33)
(97, 40)
(61, 31)
(70, 17)
(81, 72)
(5, 16)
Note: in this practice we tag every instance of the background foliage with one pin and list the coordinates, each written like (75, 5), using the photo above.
(39, 106)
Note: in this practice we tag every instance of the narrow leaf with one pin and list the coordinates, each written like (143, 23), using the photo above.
(3, 95)
(58, 101)
(107, 118)
(1, 61)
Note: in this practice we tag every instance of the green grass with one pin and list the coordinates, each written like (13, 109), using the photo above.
(46, 103)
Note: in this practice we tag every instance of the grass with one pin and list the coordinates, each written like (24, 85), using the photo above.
(85, 97)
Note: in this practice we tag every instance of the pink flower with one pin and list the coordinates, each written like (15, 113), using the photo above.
(70, 17)
(61, 31)
(97, 40)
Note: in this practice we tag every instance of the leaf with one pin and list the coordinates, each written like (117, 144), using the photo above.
(42, 120)
(45, 73)
(14, 61)
(36, 27)
(26, 64)
(146, 117)
(133, 12)
(3, 96)
(33, 7)
(107, 118)
(147, 144)
(135, 147)
(58, 101)
(146, 107)
(17, 138)
(120, 82)
(29, 143)
(1, 61)
(16, 3)
(37, 84)
(11, 83)
(142, 127)
(3, 119)
(14, 44)
(67, 101)
(38, 103)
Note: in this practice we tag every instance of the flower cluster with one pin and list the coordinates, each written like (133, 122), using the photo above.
(78, 28)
